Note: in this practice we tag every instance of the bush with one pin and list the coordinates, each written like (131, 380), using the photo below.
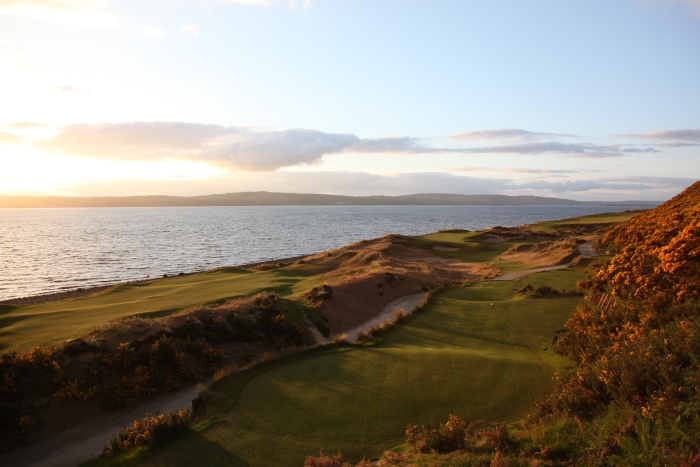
(151, 431)
(441, 438)
(333, 461)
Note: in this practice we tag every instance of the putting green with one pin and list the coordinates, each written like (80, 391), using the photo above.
(477, 352)
(23, 327)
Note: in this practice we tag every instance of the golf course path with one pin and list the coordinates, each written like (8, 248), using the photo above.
(586, 249)
(80, 444)
(407, 304)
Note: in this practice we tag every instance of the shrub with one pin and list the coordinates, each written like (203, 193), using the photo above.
(527, 290)
(547, 290)
(150, 431)
(332, 461)
(441, 438)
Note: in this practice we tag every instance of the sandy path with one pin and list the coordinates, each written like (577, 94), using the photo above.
(586, 249)
(515, 275)
(77, 445)
(408, 304)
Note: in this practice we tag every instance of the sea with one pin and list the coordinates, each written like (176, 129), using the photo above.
(54, 250)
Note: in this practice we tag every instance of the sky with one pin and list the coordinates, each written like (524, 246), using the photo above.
(586, 100)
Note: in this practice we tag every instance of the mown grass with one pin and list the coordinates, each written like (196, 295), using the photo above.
(26, 326)
(602, 218)
(477, 352)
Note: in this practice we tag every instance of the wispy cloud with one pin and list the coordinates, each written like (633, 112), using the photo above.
(69, 12)
(658, 182)
(581, 185)
(255, 149)
(152, 31)
(190, 29)
(242, 148)
(550, 147)
(72, 90)
(683, 136)
(524, 170)
(27, 125)
(10, 138)
(501, 134)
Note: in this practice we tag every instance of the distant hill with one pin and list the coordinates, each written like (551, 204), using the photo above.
(264, 198)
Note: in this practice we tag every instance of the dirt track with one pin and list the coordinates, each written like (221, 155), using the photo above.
(80, 444)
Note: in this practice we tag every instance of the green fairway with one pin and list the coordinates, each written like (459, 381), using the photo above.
(477, 352)
(25, 326)
(602, 218)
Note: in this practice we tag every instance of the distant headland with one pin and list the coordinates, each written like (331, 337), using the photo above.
(264, 198)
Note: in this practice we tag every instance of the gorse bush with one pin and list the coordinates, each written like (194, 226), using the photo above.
(657, 253)
(333, 461)
(642, 352)
(440, 438)
(151, 431)
(81, 370)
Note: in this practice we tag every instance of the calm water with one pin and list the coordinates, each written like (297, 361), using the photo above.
(49, 250)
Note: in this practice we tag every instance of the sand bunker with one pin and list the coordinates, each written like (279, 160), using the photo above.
(439, 247)
(542, 254)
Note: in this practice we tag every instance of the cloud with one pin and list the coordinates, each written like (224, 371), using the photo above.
(539, 171)
(658, 182)
(270, 150)
(190, 29)
(135, 141)
(639, 150)
(581, 185)
(594, 154)
(72, 90)
(524, 170)
(549, 147)
(255, 149)
(241, 148)
(67, 12)
(684, 136)
(505, 134)
(27, 125)
(152, 31)
(10, 138)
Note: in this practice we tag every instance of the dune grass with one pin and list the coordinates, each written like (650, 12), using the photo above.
(22, 327)
(477, 352)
